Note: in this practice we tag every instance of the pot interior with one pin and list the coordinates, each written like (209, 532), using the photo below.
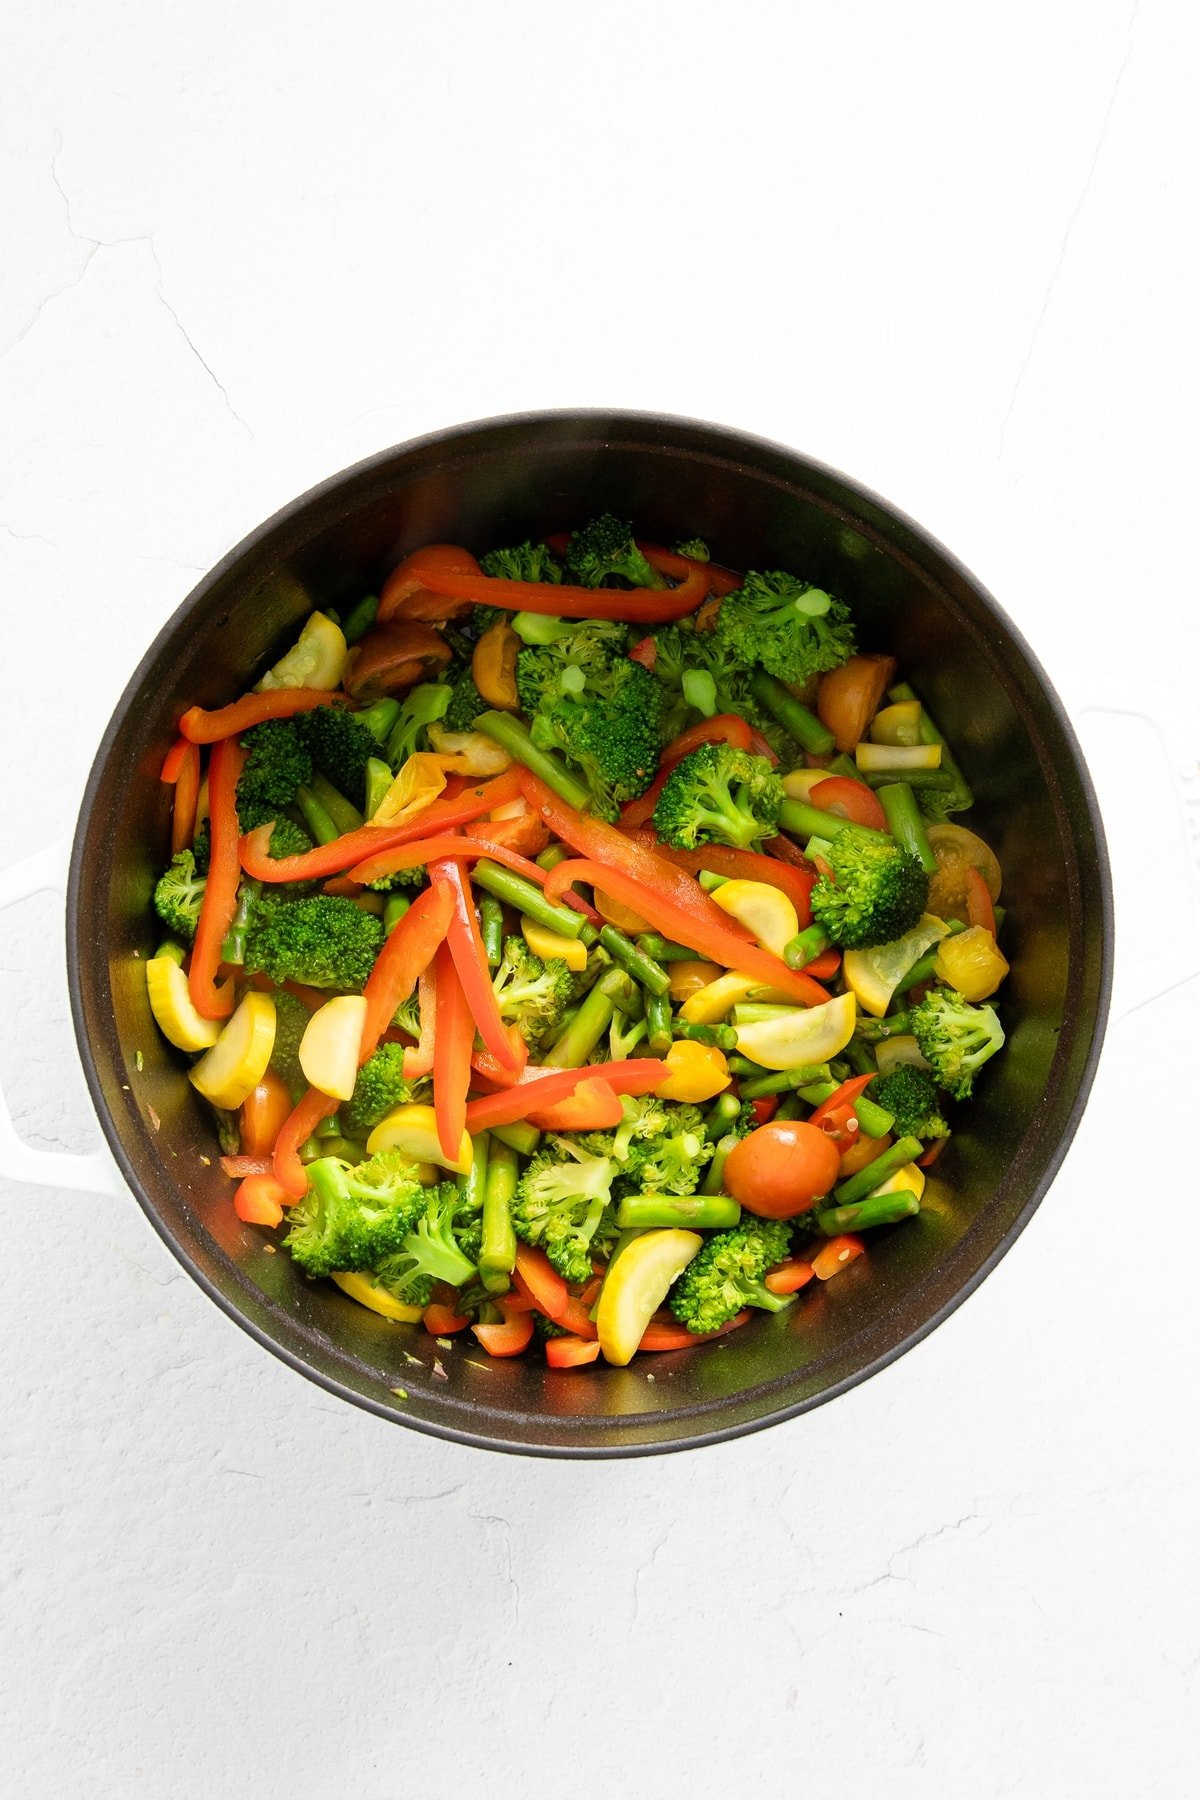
(757, 505)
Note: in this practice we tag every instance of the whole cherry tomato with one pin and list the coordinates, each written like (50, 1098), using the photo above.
(781, 1169)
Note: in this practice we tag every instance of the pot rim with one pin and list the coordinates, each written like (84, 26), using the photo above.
(77, 954)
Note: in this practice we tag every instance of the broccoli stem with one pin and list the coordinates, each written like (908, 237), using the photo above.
(394, 908)
(875, 1120)
(360, 618)
(379, 780)
(344, 816)
(714, 1175)
(520, 1136)
(511, 735)
(695, 1212)
(233, 950)
(796, 719)
(659, 1036)
(925, 967)
(857, 1187)
(806, 946)
(806, 821)
(906, 824)
(721, 1037)
(572, 1049)
(783, 1081)
(663, 950)
(319, 823)
(878, 1209)
(515, 891)
(491, 930)
(643, 968)
(380, 718)
(498, 1250)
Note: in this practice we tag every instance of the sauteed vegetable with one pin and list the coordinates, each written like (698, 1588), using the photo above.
(575, 945)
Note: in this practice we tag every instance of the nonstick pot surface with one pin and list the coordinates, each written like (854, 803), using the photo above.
(757, 505)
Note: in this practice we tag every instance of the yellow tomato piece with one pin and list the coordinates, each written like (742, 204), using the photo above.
(908, 1178)
(623, 917)
(316, 659)
(546, 943)
(717, 998)
(171, 1004)
(762, 909)
(238, 1060)
(362, 1286)
(810, 1034)
(689, 978)
(697, 1072)
(329, 1048)
(417, 785)
(897, 724)
(637, 1285)
(874, 975)
(972, 963)
(412, 1129)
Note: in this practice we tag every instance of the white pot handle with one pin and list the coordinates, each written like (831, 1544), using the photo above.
(1138, 981)
(93, 1174)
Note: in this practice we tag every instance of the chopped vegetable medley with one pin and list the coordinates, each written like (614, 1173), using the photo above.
(575, 946)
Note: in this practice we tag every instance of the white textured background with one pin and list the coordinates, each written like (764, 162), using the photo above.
(950, 249)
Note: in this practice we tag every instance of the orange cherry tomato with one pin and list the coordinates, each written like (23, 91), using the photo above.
(263, 1113)
(781, 1169)
(848, 698)
(847, 799)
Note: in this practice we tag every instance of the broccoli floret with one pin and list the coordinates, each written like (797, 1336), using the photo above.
(523, 562)
(660, 1146)
(585, 650)
(532, 994)
(608, 729)
(323, 941)
(380, 1086)
(719, 795)
(355, 1217)
(791, 628)
(425, 705)
(340, 745)
(878, 892)
(605, 547)
(955, 1038)
(681, 650)
(291, 1021)
(287, 839)
(202, 847)
(178, 894)
(727, 1274)
(429, 1252)
(278, 761)
(465, 703)
(696, 548)
(563, 1206)
(544, 1328)
(910, 1095)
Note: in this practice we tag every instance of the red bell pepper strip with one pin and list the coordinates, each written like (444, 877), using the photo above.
(847, 799)
(678, 1337)
(591, 837)
(202, 727)
(220, 890)
(652, 606)
(536, 1089)
(372, 840)
(931, 1155)
(641, 810)
(441, 1319)
(525, 834)
(419, 1060)
(423, 851)
(713, 942)
(749, 865)
(454, 1035)
(722, 728)
(407, 952)
(825, 966)
(173, 761)
(980, 910)
(534, 1276)
(789, 1277)
(298, 1127)
(592, 1107)
(764, 1110)
(238, 1167)
(510, 1338)
(645, 651)
(259, 1200)
(834, 1115)
(187, 797)
(783, 850)
(570, 1352)
(470, 960)
(834, 1256)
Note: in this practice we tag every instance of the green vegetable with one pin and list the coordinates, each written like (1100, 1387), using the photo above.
(498, 1251)
(576, 1043)
(782, 1081)
(345, 816)
(800, 724)
(352, 1217)
(906, 824)
(634, 960)
(360, 618)
(513, 736)
(863, 1215)
(178, 894)
(526, 897)
(322, 941)
(323, 829)
(719, 795)
(465, 703)
(938, 801)
(563, 1206)
(910, 1094)
(659, 1033)
(429, 1252)
(233, 950)
(692, 1212)
(604, 719)
(423, 705)
(695, 548)
(523, 562)
(714, 1179)
(955, 1038)
(878, 892)
(491, 930)
(380, 1086)
(291, 1019)
(277, 763)
(726, 1274)
(532, 994)
(875, 1120)
(604, 548)
(340, 745)
(788, 627)
(857, 1187)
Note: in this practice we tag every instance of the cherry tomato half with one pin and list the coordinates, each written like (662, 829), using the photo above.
(848, 799)
(780, 1169)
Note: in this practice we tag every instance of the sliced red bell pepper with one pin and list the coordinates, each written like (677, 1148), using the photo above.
(722, 728)
(833, 1116)
(220, 889)
(536, 1089)
(713, 942)
(789, 1277)
(678, 1337)
(836, 1255)
(980, 910)
(238, 1167)
(784, 850)
(372, 840)
(260, 1200)
(534, 1276)
(440, 1318)
(298, 1127)
(187, 797)
(848, 799)
(407, 952)
(202, 727)
(645, 651)
(419, 1060)
(423, 851)
(571, 1352)
(454, 1035)
(592, 1107)
(465, 944)
(764, 1110)
(524, 834)
(825, 966)
(931, 1155)
(749, 865)
(173, 760)
(510, 1338)
(641, 810)
(651, 606)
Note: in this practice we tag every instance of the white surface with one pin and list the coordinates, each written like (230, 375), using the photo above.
(950, 251)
